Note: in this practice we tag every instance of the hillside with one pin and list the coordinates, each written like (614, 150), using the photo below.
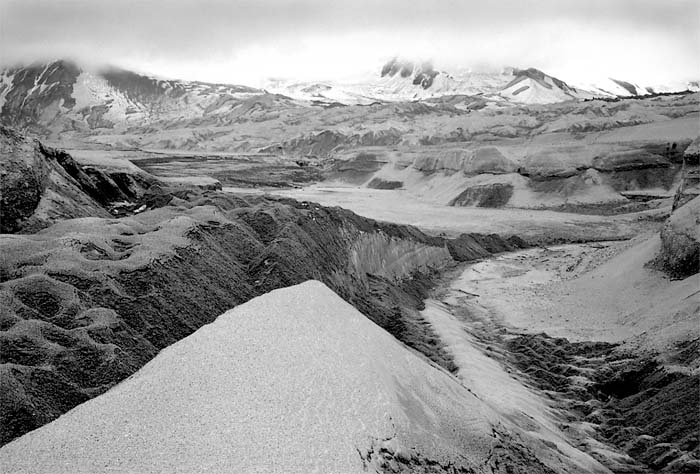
(62, 97)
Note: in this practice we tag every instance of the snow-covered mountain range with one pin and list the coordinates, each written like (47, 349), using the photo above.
(45, 93)
(402, 80)
(61, 97)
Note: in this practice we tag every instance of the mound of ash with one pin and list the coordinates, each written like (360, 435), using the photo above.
(297, 369)
(633, 402)
(41, 185)
(88, 301)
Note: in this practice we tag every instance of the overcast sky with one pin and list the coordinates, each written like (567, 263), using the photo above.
(651, 41)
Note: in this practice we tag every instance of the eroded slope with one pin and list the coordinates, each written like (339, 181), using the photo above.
(86, 302)
(42, 185)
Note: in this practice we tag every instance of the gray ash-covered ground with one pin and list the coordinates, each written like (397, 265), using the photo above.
(621, 381)
(87, 302)
(91, 298)
(634, 403)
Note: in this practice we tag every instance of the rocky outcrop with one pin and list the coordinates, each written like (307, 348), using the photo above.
(548, 164)
(629, 160)
(356, 169)
(324, 144)
(489, 160)
(23, 180)
(532, 86)
(604, 183)
(679, 255)
(41, 185)
(378, 183)
(692, 153)
(449, 162)
(396, 66)
(485, 195)
(471, 162)
(421, 75)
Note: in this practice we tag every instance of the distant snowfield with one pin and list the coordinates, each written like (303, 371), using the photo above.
(493, 85)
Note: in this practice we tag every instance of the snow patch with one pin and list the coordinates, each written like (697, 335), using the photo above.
(90, 90)
(6, 80)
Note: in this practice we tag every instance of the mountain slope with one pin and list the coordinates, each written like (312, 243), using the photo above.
(61, 95)
(412, 104)
(404, 80)
(398, 80)
(64, 97)
(532, 86)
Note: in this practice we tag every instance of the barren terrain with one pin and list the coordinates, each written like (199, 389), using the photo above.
(498, 286)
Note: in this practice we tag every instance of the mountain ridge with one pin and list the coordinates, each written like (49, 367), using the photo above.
(40, 91)
(64, 103)
(405, 80)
